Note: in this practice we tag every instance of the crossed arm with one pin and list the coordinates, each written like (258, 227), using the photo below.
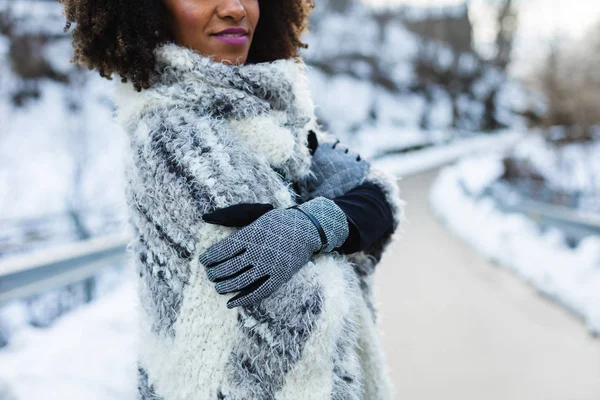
(341, 211)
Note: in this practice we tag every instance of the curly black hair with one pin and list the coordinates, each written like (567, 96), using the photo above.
(119, 36)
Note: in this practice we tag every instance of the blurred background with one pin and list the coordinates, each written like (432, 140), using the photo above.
(488, 111)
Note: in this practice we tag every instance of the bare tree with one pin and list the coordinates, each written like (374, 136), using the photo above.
(570, 82)
(553, 88)
(507, 22)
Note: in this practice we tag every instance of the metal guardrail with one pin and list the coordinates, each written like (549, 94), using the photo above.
(27, 234)
(27, 275)
(574, 223)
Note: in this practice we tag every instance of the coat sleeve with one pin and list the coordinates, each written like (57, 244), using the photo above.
(389, 186)
(369, 216)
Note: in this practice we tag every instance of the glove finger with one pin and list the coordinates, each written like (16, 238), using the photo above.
(253, 293)
(313, 142)
(222, 251)
(228, 267)
(238, 215)
(238, 281)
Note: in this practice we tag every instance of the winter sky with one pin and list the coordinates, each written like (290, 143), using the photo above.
(544, 17)
(539, 21)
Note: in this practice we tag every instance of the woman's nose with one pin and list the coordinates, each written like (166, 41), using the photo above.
(231, 9)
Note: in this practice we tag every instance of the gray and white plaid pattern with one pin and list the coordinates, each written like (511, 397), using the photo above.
(337, 170)
(269, 251)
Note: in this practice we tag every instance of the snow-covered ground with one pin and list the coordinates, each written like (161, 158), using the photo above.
(88, 354)
(543, 258)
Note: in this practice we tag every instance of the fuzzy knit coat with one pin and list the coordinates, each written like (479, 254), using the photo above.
(207, 135)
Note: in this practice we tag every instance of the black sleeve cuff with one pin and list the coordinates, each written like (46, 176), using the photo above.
(369, 217)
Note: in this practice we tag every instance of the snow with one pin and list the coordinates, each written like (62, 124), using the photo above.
(353, 68)
(30, 14)
(440, 110)
(42, 149)
(399, 111)
(43, 146)
(60, 151)
(572, 167)
(477, 173)
(571, 170)
(570, 276)
(354, 106)
(400, 47)
(88, 354)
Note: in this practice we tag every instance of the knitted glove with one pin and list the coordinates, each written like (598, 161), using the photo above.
(336, 169)
(259, 258)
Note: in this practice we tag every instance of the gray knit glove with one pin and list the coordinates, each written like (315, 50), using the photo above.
(259, 258)
(336, 169)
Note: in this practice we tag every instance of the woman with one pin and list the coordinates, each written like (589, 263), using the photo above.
(232, 186)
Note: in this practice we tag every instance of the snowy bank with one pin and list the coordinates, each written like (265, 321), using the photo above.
(88, 354)
(569, 276)
(571, 169)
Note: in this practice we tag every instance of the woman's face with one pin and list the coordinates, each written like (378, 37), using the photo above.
(221, 29)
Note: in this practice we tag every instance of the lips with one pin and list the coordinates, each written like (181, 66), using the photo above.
(232, 32)
(234, 36)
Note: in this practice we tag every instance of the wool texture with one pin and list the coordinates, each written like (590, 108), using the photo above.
(208, 135)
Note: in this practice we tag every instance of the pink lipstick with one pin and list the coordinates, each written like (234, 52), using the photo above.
(235, 36)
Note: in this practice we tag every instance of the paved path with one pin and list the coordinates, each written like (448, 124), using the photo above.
(457, 327)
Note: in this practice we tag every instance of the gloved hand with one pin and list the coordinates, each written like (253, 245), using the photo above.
(336, 170)
(260, 257)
